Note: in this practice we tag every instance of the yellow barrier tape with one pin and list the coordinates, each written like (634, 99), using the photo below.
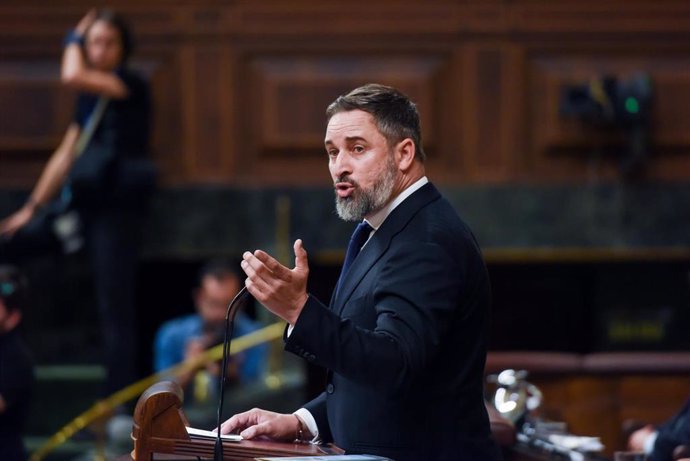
(103, 407)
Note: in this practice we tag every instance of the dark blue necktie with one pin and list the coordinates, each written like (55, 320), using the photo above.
(359, 238)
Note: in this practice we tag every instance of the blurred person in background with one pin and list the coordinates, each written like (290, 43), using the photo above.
(92, 191)
(660, 442)
(16, 365)
(186, 337)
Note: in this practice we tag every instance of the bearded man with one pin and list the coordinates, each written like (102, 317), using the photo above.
(404, 337)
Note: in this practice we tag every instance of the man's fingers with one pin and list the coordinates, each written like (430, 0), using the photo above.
(254, 423)
(257, 288)
(257, 422)
(238, 422)
(256, 270)
(257, 430)
(264, 265)
(250, 261)
(248, 269)
(277, 269)
(301, 260)
(229, 426)
(261, 264)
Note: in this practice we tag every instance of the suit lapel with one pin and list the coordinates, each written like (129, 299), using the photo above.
(381, 240)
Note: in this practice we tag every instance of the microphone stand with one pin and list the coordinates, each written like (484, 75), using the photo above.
(233, 307)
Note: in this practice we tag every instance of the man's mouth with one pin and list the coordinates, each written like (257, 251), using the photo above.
(344, 189)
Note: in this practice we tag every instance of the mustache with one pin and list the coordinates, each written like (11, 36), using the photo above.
(345, 178)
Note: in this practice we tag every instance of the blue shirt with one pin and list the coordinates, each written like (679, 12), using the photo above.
(172, 337)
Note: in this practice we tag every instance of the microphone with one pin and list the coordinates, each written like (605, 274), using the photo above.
(233, 307)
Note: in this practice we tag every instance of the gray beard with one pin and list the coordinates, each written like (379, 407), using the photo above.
(366, 201)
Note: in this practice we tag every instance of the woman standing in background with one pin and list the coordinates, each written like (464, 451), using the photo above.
(100, 178)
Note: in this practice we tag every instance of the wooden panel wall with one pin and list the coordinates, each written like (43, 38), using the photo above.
(240, 87)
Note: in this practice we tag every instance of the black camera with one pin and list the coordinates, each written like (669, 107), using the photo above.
(609, 101)
(612, 103)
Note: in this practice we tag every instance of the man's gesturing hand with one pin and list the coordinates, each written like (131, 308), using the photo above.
(256, 422)
(283, 291)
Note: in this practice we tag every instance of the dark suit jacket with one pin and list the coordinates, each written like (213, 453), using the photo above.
(404, 341)
(672, 433)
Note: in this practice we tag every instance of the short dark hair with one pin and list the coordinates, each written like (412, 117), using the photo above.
(13, 288)
(395, 115)
(219, 268)
(119, 23)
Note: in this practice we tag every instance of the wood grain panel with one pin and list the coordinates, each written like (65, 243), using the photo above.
(483, 107)
(207, 111)
(592, 409)
(35, 107)
(190, 123)
(51, 21)
(488, 120)
(161, 67)
(240, 87)
(566, 147)
(492, 105)
(289, 95)
(35, 114)
(653, 398)
(338, 18)
(604, 17)
(447, 156)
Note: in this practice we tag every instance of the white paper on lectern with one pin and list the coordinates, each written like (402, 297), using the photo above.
(211, 434)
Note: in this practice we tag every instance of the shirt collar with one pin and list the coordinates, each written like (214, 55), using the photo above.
(380, 216)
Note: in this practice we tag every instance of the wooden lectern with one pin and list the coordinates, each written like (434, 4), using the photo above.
(160, 428)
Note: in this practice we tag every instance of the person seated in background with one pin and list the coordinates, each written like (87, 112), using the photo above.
(659, 443)
(16, 366)
(185, 338)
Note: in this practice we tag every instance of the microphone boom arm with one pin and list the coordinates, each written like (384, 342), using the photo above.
(230, 314)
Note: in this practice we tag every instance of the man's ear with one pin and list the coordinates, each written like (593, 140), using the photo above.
(405, 154)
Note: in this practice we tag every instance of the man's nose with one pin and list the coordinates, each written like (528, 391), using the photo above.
(341, 165)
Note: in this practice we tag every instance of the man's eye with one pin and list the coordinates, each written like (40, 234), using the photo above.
(358, 149)
(332, 153)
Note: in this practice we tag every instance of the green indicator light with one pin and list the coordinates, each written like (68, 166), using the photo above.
(632, 105)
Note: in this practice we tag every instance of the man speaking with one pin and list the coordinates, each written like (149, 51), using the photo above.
(403, 339)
